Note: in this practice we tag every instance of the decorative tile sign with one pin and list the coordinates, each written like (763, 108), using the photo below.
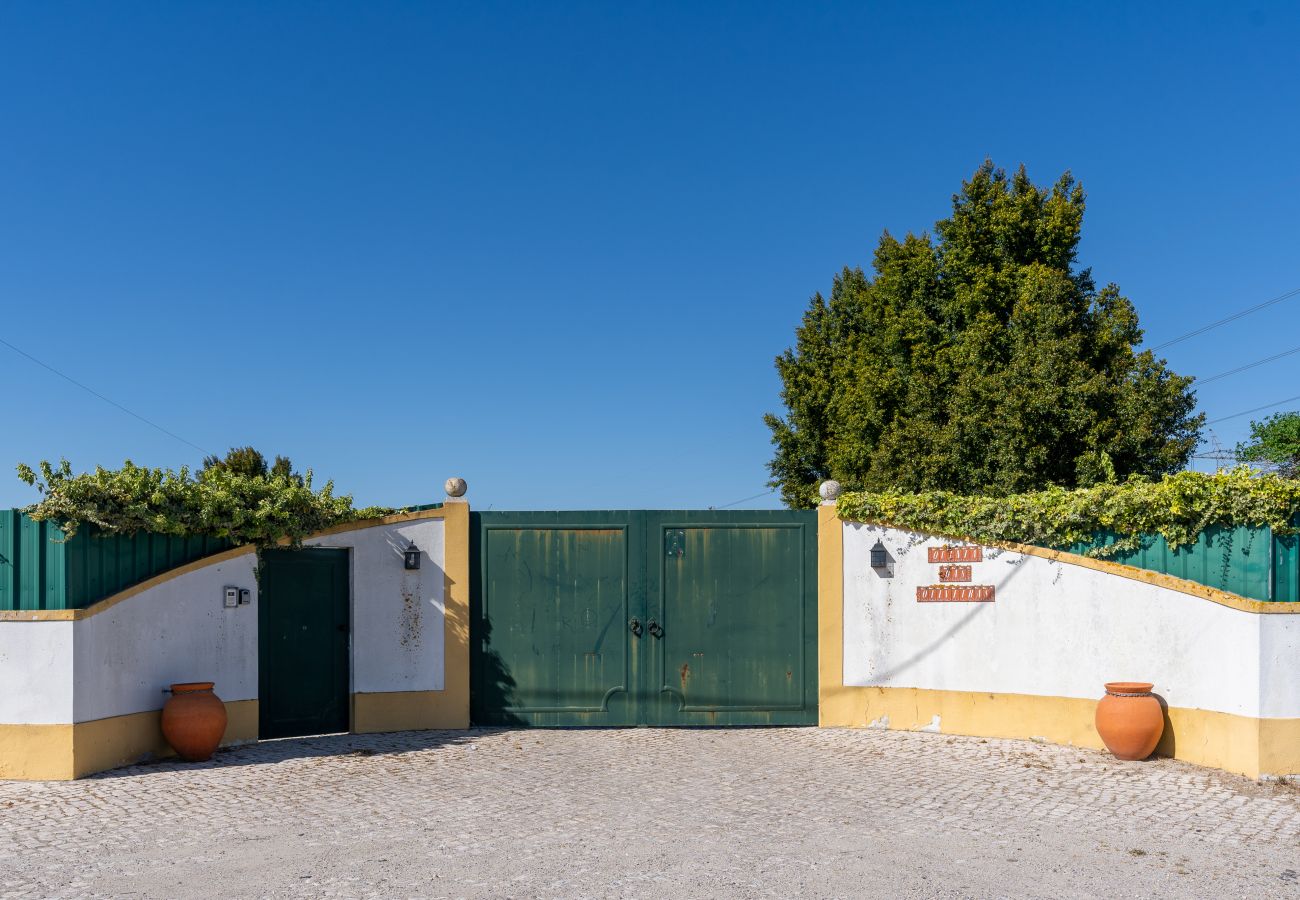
(954, 571)
(948, 593)
(955, 554)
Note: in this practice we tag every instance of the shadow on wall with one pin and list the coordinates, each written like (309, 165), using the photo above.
(492, 687)
(942, 639)
(1168, 742)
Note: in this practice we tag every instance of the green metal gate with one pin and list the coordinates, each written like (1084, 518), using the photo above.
(620, 618)
(302, 621)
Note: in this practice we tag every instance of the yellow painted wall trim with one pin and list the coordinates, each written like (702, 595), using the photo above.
(69, 615)
(455, 654)
(36, 752)
(406, 711)
(1239, 744)
(62, 752)
(1133, 573)
(830, 608)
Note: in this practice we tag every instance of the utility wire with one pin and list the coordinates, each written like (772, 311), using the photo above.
(1256, 409)
(96, 393)
(745, 499)
(1258, 362)
(1232, 318)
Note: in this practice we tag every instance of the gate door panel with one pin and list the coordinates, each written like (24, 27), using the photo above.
(644, 618)
(552, 612)
(302, 664)
(733, 599)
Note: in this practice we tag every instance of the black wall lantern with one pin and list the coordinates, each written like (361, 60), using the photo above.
(411, 558)
(879, 557)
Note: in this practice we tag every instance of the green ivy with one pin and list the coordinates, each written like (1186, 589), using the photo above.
(261, 510)
(1178, 507)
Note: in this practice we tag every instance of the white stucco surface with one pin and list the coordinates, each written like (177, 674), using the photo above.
(35, 673)
(1057, 629)
(397, 615)
(1279, 663)
(122, 658)
(178, 631)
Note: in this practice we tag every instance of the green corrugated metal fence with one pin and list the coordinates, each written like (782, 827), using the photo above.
(1249, 562)
(40, 570)
(33, 571)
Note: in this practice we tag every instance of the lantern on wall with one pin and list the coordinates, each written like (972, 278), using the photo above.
(411, 558)
(879, 556)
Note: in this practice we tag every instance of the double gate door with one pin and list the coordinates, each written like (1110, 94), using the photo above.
(620, 618)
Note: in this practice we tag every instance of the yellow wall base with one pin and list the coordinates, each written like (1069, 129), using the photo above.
(63, 752)
(1245, 746)
(36, 752)
(409, 711)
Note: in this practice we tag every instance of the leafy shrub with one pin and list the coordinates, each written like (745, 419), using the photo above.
(1178, 507)
(219, 502)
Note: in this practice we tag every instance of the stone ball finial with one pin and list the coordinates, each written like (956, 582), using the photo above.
(829, 490)
(455, 487)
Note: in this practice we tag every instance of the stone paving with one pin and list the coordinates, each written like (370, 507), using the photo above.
(652, 813)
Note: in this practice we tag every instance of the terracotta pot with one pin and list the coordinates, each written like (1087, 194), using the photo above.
(194, 720)
(1129, 719)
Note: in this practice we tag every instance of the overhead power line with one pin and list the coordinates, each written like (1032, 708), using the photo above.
(107, 400)
(1232, 318)
(744, 499)
(1258, 362)
(1256, 409)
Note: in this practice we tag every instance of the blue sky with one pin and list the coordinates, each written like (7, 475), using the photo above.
(554, 248)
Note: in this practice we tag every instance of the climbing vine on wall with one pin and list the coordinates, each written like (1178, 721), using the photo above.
(245, 509)
(1178, 507)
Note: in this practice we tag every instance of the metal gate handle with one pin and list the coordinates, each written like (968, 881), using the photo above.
(634, 626)
(655, 628)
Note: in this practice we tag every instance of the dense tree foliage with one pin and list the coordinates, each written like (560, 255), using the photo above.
(979, 361)
(1276, 443)
(1177, 507)
(265, 509)
(249, 462)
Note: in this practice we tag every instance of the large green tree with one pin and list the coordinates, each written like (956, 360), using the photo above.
(979, 360)
(1276, 443)
(250, 463)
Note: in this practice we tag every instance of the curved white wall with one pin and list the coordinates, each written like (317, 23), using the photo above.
(1057, 629)
(176, 631)
(117, 660)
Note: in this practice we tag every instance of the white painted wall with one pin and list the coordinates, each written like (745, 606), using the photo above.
(118, 661)
(177, 631)
(35, 673)
(1279, 666)
(397, 616)
(1058, 629)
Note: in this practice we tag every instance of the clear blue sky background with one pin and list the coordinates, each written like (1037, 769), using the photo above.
(554, 248)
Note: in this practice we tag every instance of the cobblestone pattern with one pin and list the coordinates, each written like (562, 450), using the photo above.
(652, 813)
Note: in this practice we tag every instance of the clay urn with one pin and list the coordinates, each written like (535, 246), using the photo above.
(1129, 719)
(194, 720)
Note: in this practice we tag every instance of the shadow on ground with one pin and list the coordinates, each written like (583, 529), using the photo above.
(329, 745)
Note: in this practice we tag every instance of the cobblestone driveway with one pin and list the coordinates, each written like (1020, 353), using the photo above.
(651, 813)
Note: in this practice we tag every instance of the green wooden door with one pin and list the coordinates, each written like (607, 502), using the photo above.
(732, 597)
(619, 618)
(302, 623)
(554, 595)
